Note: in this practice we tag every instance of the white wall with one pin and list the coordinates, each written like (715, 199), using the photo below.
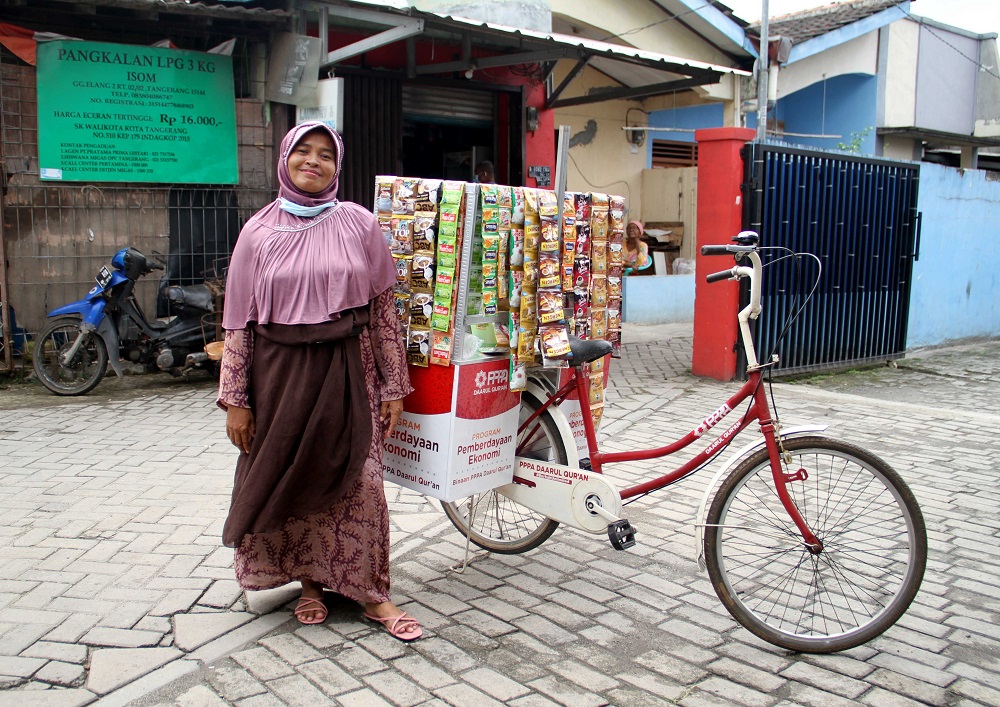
(859, 56)
(901, 74)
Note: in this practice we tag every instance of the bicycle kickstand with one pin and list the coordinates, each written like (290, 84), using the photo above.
(620, 531)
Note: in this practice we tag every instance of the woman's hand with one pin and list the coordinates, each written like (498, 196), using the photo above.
(240, 427)
(391, 409)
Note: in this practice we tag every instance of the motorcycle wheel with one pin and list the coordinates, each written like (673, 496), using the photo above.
(83, 373)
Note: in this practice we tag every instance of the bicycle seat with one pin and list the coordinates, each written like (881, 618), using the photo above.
(583, 351)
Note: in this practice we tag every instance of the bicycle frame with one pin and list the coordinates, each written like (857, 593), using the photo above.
(758, 411)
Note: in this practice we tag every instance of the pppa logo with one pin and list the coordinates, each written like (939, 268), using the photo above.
(489, 379)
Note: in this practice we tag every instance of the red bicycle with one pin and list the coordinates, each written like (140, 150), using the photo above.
(812, 544)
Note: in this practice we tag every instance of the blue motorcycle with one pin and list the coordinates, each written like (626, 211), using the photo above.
(72, 354)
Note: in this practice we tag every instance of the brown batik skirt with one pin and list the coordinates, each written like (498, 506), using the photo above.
(313, 424)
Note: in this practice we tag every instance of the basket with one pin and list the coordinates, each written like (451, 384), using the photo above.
(214, 350)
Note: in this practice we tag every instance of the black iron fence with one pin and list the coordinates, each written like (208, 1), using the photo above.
(859, 217)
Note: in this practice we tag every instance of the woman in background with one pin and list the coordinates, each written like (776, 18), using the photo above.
(636, 254)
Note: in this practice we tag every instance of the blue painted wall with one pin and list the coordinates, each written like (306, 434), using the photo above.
(658, 299)
(847, 107)
(688, 118)
(839, 106)
(956, 283)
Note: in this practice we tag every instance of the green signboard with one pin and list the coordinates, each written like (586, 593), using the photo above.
(125, 113)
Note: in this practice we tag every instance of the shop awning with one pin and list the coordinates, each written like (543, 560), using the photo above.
(638, 73)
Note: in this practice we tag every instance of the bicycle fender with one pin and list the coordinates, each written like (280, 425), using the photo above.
(110, 335)
(569, 442)
(734, 461)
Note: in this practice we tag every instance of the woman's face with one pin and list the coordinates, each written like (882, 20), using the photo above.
(312, 163)
(632, 231)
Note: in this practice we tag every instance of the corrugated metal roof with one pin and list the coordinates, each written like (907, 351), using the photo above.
(800, 26)
(591, 47)
(203, 9)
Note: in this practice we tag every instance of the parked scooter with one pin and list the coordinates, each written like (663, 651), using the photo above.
(72, 354)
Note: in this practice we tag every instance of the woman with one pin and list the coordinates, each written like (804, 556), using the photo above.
(636, 255)
(313, 377)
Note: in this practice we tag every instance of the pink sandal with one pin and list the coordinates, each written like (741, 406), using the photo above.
(404, 627)
(307, 605)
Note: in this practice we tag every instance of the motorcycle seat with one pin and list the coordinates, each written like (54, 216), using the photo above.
(192, 296)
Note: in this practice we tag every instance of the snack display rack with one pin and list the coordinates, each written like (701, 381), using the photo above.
(491, 281)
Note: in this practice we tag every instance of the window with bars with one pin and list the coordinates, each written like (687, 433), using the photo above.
(667, 153)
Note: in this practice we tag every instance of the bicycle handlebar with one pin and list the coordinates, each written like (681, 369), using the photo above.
(727, 249)
(722, 275)
(752, 310)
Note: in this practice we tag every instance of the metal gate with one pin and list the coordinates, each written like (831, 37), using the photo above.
(859, 217)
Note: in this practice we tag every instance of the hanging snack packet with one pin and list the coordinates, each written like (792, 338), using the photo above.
(550, 237)
(598, 291)
(550, 306)
(517, 206)
(548, 205)
(503, 290)
(614, 288)
(599, 257)
(516, 279)
(568, 276)
(402, 268)
(452, 192)
(421, 308)
(583, 239)
(490, 194)
(598, 323)
(525, 345)
(401, 240)
(449, 219)
(614, 319)
(385, 225)
(422, 272)
(582, 202)
(401, 301)
(418, 346)
(443, 290)
(596, 388)
(383, 194)
(548, 269)
(532, 236)
(423, 230)
(516, 247)
(428, 191)
(441, 348)
(530, 276)
(616, 256)
(518, 376)
(555, 340)
(404, 191)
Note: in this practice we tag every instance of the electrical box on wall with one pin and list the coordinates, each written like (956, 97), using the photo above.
(327, 105)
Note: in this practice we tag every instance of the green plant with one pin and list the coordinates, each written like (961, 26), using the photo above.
(853, 145)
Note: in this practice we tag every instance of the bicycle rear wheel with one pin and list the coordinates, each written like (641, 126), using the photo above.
(498, 524)
(860, 583)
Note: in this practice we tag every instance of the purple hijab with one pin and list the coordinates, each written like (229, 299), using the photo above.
(289, 269)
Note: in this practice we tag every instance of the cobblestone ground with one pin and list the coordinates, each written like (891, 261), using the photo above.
(114, 588)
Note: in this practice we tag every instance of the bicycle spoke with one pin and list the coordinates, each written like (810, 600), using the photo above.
(855, 586)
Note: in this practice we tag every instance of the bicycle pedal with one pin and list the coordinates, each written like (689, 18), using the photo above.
(621, 534)
(585, 464)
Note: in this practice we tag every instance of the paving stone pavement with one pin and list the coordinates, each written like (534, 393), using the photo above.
(115, 590)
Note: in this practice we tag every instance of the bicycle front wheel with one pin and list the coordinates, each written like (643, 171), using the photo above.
(874, 547)
(494, 522)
